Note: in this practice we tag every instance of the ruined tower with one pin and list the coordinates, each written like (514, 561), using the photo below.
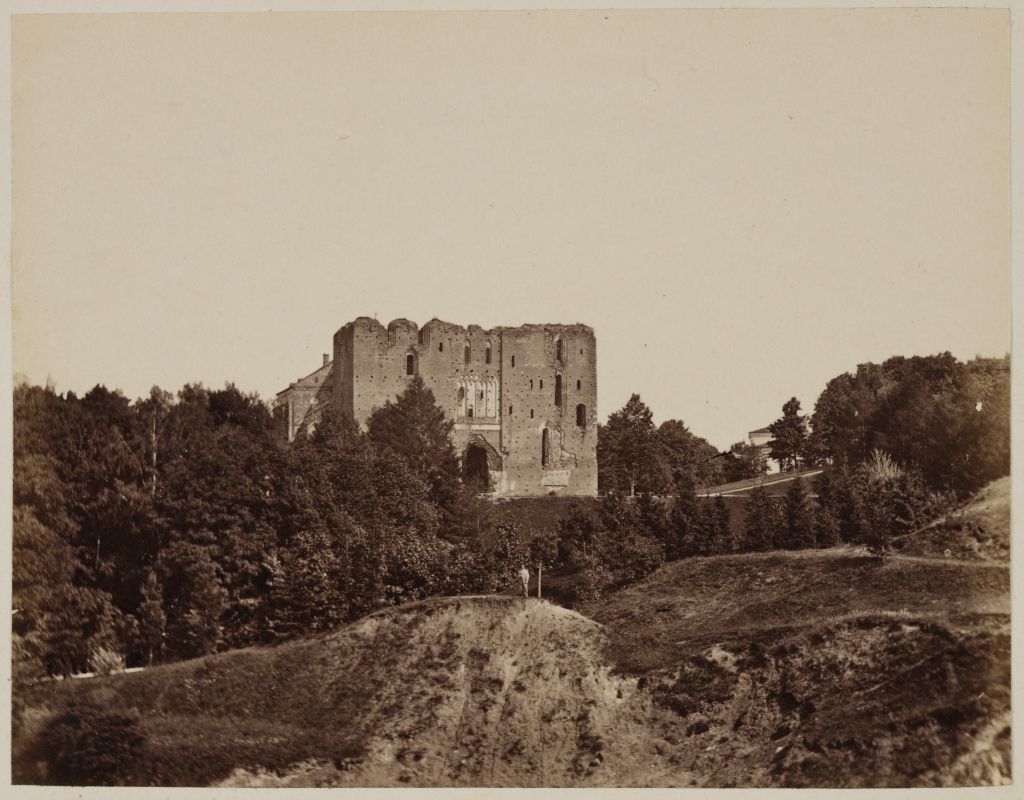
(523, 399)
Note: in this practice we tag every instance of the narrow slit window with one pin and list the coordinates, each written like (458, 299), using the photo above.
(581, 416)
(487, 355)
(440, 347)
(531, 383)
(513, 361)
(462, 394)
(541, 383)
(410, 364)
(579, 385)
(558, 349)
(467, 354)
(469, 412)
(510, 411)
(531, 413)
(544, 447)
(558, 390)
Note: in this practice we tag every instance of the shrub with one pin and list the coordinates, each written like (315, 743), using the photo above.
(106, 661)
(543, 549)
(639, 556)
(594, 578)
(88, 745)
(509, 553)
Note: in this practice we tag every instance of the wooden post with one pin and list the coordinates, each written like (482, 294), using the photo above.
(539, 568)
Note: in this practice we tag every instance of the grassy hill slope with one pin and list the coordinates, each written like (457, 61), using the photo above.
(829, 667)
(460, 691)
(978, 530)
(814, 668)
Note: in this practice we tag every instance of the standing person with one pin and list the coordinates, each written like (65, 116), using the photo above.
(524, 576)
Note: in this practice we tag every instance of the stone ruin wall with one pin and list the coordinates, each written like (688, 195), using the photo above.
(370, 366)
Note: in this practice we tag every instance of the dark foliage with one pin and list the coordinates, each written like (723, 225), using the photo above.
(89, 745)
(175, 527)
(744, 461)
(789, 436)
(631, 457)
(946, 420)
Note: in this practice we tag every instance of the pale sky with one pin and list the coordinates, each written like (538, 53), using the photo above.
(743, 204)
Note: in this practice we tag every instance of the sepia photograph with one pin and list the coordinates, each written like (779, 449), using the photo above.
(509, 398)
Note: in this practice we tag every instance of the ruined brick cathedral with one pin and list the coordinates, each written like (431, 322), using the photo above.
(523, 399)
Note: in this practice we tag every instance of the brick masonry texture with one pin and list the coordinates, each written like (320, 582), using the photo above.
(523, 400)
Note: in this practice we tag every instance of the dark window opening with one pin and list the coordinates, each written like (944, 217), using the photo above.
(469, 411)
(558, 390)
(481, 394)
(487, 354)
(544, 447)
(410, 364)
(475, 470)
(531, 383)
(531, 413)
(581, 415)
(579, 385)
(510, 411)
(440, 347)
(541, 383)
(558, 349)
(419, 336)
(466, 353)
(462, 394)
(513, 361)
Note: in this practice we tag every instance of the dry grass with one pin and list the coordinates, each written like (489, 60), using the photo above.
(825, 667)
(807, 668)
(979, 530)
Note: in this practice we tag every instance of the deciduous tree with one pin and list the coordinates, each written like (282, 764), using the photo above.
(630, 456)
(789, 434)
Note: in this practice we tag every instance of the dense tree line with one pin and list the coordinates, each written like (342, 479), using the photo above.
(934, 416)
(636, 457)
(179, 525)
(898, 443)
(171, 527)
(945, 419)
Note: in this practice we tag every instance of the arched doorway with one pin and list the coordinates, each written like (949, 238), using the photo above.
(475, 470)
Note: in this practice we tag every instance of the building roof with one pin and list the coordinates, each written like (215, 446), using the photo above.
(325, 368)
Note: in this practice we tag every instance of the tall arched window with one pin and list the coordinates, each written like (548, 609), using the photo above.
(462, 394)
(419, 336)
(410, 364)
(545, 448)
(558, 349)
(558, 390)
(467, 353)
(487, 354)
(581, 415)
